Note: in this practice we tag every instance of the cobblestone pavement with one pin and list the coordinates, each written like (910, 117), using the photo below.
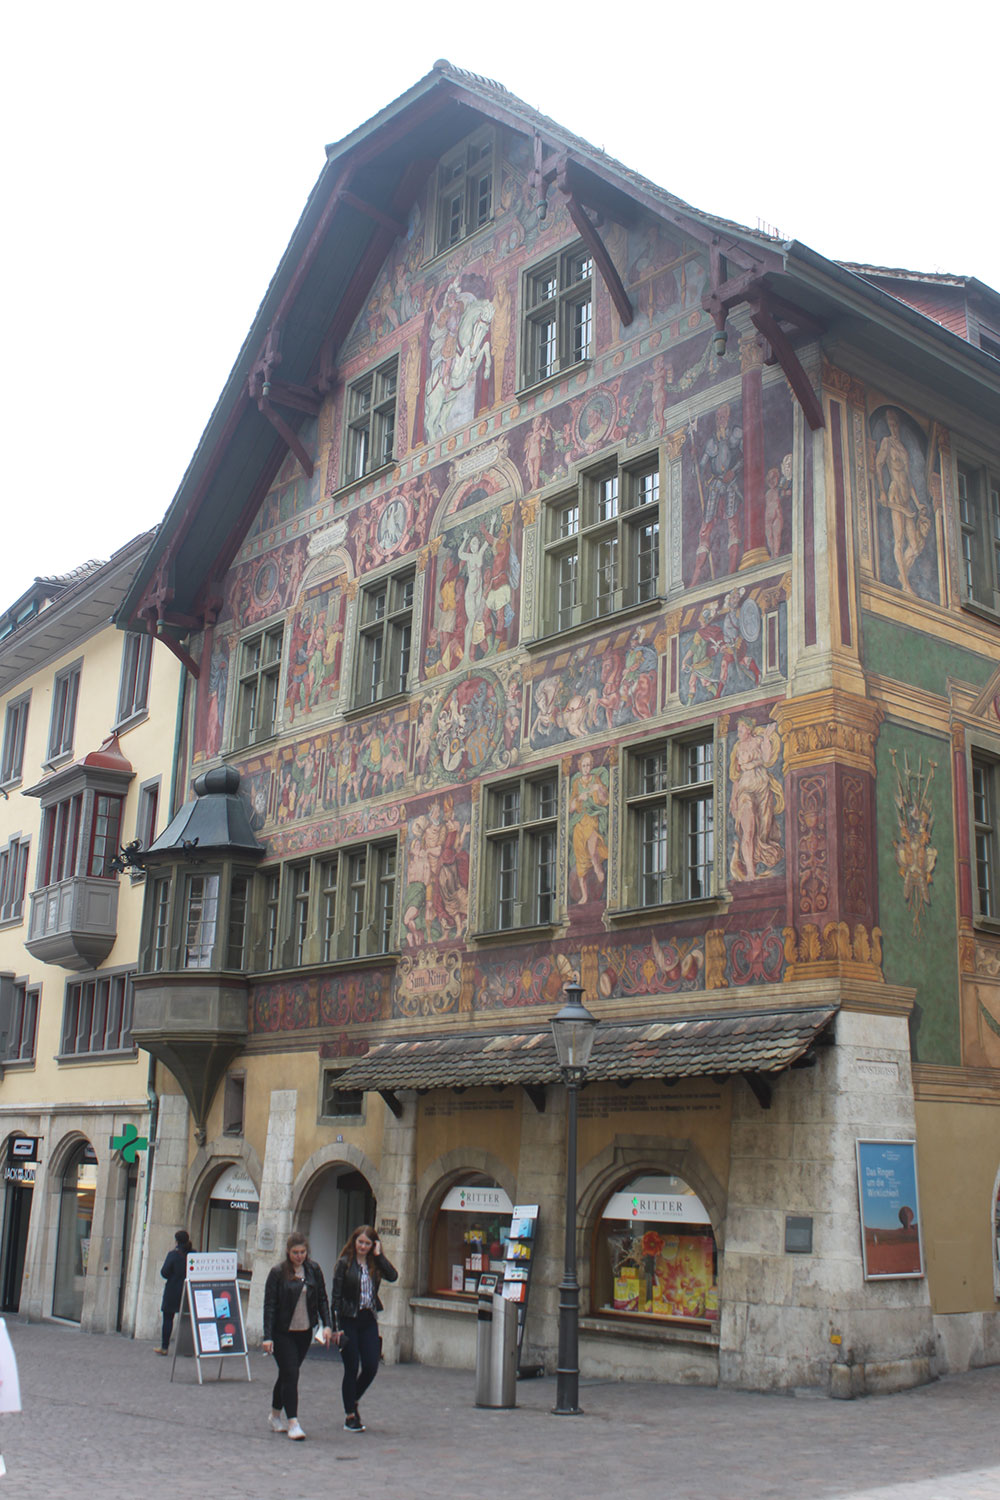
(102, 1421)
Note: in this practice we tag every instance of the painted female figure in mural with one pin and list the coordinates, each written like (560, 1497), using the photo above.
(588, 811)
(757, 799)
(911, 518)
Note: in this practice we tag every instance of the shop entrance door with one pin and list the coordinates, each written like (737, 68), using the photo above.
(16, 1213)
(344, 1200)
(131, 1184)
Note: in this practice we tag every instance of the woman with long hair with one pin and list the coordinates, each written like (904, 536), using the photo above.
(294, 1302)
(354, 1295)
(174, 1273)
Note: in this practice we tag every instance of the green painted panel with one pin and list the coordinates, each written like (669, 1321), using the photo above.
(915, 657)
(916, 874)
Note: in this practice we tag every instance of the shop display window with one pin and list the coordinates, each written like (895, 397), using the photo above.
(655, 1254)
(76, 1217)
(469, 1237)
(232, 1216)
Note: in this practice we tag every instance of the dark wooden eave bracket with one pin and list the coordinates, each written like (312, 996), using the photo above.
(558, 169)
(536, 1093)
(760, 1085)
(393, 1101)
(767, 313)
(267, 390)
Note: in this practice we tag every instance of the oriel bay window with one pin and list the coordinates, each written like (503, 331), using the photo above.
(521, 853)
(196, 919)
(385, 638)
(670, 821)
(558, 305)
(602, 545)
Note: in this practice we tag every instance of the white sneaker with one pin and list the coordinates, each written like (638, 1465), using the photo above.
(276, 1422)
(294, 1430)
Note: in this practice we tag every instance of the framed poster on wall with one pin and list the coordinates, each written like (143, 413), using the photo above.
(891, 1243)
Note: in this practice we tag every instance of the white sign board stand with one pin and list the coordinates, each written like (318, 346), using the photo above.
(215, 1311)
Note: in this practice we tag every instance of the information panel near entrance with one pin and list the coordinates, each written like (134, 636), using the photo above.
(214, 1311)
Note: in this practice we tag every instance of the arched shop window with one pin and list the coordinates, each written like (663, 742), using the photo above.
(655, 1254)
(996, 1237)
(469, 1236)
(76, 1218)
(232, 1215)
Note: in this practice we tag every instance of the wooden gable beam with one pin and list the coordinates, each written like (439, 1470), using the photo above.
(372, 212)
(767, 325)
(288, 434)
(609, 271)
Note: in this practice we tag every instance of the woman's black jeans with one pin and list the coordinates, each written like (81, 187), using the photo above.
(290, 1349)
(360, 1351)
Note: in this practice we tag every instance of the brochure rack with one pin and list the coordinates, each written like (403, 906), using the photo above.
(520, 1256)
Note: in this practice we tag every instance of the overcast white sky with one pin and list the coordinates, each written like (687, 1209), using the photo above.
(158, 158)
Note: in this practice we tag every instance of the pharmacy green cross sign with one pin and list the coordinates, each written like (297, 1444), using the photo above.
(129, 1143)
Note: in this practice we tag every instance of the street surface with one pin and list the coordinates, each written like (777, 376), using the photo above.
(102, 1421)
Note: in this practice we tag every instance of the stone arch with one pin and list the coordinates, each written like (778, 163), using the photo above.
(341, 1155)
(629, 1156)
(444, 1173)
(501, 469)
(211, 1159)
(60, 1153)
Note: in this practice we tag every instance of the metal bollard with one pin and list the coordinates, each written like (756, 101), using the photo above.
(484, 1339)
(496, 1327)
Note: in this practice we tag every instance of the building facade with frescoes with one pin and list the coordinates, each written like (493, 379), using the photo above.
(87, 720)
(574, 586)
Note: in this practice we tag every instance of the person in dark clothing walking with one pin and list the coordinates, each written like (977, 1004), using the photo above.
(355, 1301)
(174, 1273)
(294, 1302)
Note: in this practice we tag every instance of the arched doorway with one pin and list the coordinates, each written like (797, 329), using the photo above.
(20, 1156)
(78, 1191)
(340, 1199)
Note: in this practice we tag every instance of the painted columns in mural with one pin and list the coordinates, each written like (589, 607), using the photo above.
(829, 742)
(752, 372)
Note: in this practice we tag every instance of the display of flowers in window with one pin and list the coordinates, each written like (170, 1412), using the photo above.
(655, 1254)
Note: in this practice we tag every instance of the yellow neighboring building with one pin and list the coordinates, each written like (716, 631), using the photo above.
(85, 770)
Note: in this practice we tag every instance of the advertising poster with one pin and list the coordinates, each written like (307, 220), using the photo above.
(890, 1211)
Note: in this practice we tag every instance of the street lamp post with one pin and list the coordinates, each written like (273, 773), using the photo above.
(573, 1034)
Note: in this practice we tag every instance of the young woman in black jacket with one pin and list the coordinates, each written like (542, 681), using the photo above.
(355, 1300)
(294, 1302)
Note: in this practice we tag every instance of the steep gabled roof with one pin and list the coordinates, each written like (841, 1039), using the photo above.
(354, 213)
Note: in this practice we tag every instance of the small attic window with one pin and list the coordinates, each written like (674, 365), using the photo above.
(465, 188)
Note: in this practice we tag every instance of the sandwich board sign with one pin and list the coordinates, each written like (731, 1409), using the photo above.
(213, 1312)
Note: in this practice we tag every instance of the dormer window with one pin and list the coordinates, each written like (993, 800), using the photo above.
(465, 189)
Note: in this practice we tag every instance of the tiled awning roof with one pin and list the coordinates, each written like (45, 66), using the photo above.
(751, 1043)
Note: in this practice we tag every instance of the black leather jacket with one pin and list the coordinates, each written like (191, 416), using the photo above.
(281, 1295)
(345, 1289)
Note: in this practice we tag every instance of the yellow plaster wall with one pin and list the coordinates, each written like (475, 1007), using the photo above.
(958, 1156)
(479, 1120)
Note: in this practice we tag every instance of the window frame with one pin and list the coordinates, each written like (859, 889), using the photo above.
(672, 795)
(331, 909)
(22, 1030)
(257, 680)
(984, 827)
(464, 187)
(552, 344)
(15, 729)
(978, 519)
(91, 1003)
(384, 653)
(522, 837)
(62, 719)
(597, 523)
(370, 430)
(328, 1075)
(14, 857)
(133, 680)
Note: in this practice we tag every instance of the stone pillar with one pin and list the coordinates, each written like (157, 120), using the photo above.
(541, 1179)
(274, 1216)
(167, 1208)
(397, 1223)
(829, 761)
(792, 1320)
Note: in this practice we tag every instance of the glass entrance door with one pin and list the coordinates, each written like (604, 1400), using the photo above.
(76, 1218)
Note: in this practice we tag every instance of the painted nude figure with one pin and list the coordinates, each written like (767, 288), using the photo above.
(911, 520)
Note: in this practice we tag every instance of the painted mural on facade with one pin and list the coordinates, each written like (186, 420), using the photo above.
(589, 803)
(315, 650)
(473, 591)
(723, 646)
(756, 828)
(607, 683)
(435, 885)
(906, 486)
(916, 871)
